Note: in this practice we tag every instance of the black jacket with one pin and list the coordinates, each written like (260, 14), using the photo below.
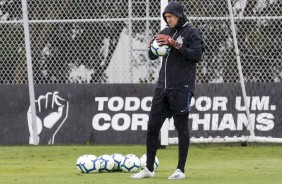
(179, 66)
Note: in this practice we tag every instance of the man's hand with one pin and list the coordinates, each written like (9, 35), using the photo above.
(151, 40)
(167, 40)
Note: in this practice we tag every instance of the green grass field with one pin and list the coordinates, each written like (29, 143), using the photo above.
(210, 164)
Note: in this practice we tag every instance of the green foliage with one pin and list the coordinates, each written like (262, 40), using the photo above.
(207, 164)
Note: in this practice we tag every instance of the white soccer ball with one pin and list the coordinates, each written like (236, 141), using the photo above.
(117, 157)
(78, 166)
(160, 50)
(88, 164)
(107, 163)
(131, 155)
(130, 164)
(143, 162)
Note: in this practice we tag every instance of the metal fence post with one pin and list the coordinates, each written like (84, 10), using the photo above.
(29, 70)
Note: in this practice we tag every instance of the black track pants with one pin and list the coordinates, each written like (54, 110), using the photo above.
(165, 104)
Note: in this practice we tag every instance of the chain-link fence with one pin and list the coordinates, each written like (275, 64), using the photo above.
(105, 41)
(258, 26)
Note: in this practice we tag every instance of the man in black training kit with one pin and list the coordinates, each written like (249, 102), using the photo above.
(175, 86)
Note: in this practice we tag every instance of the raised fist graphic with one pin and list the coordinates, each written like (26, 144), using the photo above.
(51, 113)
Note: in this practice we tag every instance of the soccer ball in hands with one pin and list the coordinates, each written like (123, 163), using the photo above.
(159, 50)
(88, 164)
(143, 162)
(117, 161)
(107, 163)
(130, 163)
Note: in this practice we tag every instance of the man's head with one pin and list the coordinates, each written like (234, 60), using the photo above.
(171, 20)
(174, 14)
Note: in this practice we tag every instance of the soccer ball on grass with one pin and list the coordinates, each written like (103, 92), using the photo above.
(130, 164)
(107, 163)
(143, 162)
(117, 157)
(88, 164)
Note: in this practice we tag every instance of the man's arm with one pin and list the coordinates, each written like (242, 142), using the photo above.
(191, 49)
(195, 50)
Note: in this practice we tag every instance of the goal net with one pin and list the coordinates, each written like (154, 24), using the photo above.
(242, 53)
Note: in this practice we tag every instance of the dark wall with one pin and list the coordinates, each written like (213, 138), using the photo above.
(118, 113)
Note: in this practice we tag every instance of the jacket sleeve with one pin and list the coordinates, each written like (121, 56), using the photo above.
(193, 47)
